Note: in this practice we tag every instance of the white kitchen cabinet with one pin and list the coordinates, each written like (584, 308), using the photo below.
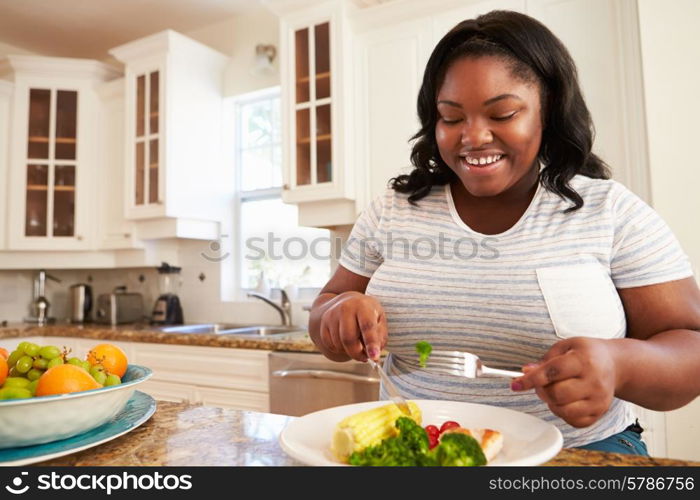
(172, 130)
(318, 126)
(53, 152)
(115, 231)
(5, 120)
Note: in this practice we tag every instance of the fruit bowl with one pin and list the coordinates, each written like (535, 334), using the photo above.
(25, 422)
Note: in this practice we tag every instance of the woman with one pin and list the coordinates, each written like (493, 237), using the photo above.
(508, 240)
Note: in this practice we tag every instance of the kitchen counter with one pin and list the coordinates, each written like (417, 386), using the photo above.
(181, 434)
(296, 341)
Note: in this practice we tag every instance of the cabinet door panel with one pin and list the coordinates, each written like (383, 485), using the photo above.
(395, 62)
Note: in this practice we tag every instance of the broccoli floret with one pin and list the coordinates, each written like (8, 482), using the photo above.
(460, 450)
(410, 448)
(407, 449)
(423, 349)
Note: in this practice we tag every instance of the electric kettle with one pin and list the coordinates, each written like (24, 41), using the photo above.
(80, 303)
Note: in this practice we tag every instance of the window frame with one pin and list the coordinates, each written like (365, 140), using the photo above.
(305, 294)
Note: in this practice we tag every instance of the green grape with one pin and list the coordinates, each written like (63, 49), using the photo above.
(40, 363)
(100, 377)
(32, 386)
(14, 356)
(75, 361)
(24, 364)
(16, 382)
(31, 349)
(95, 369)
(55, 362)
(86, 366)
(34, 374)
(49, 352)
(14, 372)
(22, 345)
(112, 379)
(15, 393)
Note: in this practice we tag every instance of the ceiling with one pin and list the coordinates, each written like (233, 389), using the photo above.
(89, 28)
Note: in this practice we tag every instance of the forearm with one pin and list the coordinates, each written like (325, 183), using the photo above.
(661, 373)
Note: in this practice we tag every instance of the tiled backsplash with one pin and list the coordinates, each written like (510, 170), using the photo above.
(201, 299)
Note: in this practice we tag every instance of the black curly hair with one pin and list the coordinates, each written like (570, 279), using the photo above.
(533, 54)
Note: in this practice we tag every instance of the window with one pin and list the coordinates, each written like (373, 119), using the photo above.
(271, 243)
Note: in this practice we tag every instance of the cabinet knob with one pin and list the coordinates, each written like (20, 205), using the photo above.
(79, 238)
(127, 235)
(285, 187)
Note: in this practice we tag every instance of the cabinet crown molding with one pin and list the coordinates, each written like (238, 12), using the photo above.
(58, 67)
(162, 43)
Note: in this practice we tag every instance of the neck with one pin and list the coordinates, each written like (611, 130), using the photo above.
(520, 193)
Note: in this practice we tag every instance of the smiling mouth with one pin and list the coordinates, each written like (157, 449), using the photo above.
(484, 161)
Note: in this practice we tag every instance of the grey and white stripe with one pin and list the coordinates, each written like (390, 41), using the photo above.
(483, 295)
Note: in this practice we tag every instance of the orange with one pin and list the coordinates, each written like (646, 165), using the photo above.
(63, 379)
(4, 370)
(4, 353)
(111, 357)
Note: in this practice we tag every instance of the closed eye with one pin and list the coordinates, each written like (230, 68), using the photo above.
(505, 117)
(450, 122)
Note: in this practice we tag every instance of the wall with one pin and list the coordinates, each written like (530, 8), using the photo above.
(670, 48)
(237, 37)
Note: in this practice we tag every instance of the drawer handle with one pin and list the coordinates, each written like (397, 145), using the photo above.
(325, 374)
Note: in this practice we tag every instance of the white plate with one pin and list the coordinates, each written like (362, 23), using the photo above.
(527, 440)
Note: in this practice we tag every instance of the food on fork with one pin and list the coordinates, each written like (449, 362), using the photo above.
(423, 349)
(367, 428)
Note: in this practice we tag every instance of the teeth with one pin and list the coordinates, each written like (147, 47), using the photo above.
(484, 160)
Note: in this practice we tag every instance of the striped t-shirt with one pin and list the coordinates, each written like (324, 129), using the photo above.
(509, 297)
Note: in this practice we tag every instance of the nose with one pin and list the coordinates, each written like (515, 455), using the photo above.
(475, 133)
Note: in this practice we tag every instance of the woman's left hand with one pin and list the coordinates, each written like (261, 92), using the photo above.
(576, 378)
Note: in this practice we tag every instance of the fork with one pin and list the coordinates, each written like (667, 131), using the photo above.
(391, 389)
(462, 364)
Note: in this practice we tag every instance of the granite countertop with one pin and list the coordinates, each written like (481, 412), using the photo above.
(182, 434)
(294, 341)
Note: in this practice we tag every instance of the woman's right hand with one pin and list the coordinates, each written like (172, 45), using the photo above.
(353, 321)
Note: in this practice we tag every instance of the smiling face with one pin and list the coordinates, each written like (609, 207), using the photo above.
(489, 125)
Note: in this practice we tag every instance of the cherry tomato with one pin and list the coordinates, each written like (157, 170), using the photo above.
(450, 424)
(432, 430)
(433, 441)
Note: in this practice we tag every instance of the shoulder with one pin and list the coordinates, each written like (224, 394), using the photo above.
(606, 195)
(391, 199)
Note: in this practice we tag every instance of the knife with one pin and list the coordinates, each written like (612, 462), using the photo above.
(391, 389)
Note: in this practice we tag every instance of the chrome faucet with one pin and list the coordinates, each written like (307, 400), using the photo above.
(40, 304)
(285, 309)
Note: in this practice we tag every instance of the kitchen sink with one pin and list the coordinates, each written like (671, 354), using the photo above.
(229, 329)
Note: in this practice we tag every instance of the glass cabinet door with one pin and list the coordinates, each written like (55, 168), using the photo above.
(51, 163)
(147, 139)
(312, 76)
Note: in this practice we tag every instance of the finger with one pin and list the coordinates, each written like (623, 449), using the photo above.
(563, 393)
(350, 338)
(561, 347)
(368, 323)
(558, 368)
(330, 340)
(578, 414)
(383, 330)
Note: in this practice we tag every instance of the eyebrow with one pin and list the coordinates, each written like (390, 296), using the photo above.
(486, 102)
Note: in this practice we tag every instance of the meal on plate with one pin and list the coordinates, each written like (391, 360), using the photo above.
(32, 370)
(385, 436)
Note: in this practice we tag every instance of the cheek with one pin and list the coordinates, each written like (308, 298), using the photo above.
(445, 139)
(525, 136)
